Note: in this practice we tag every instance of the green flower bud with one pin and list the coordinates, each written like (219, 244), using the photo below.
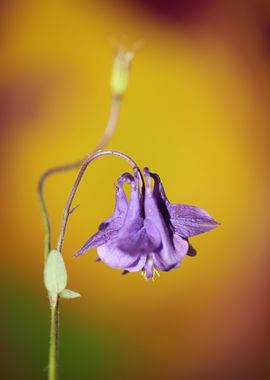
(121, 71)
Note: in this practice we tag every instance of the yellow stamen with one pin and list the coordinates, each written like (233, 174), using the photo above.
(156, 274)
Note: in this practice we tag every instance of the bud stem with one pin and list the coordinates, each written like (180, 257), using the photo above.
(108, 132)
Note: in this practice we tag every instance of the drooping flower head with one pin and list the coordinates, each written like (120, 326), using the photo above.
(147, 233)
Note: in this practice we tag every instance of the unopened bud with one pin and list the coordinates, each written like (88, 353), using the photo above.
(121, 71)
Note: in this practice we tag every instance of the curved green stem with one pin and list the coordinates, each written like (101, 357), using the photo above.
(109, 130)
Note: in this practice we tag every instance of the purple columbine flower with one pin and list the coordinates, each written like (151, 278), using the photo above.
(147, 232)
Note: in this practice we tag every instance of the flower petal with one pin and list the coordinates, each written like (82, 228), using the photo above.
(173, 248)
(106, 232)
(116, 258)
(137, 234)
(190, 220)
(109, 228)
(139, 238)
(181, 247)
(186, 220)
(121, 203)
(138, 264)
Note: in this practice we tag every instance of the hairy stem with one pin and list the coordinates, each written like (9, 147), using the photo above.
(53, 348)
(89, 159)
(109, 130)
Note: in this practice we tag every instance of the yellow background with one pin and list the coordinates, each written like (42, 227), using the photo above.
(196, 112)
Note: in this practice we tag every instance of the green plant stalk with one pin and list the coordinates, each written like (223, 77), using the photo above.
(54, 327)
(53, 351)
(122, 63)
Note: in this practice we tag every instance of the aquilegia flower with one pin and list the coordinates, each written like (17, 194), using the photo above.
(147, 232)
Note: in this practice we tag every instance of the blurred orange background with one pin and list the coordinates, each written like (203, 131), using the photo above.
(196, 112)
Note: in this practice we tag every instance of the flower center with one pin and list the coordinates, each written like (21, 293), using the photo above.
(149, 270)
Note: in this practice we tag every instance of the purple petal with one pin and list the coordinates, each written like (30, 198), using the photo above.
(138, 264)
(190, 220)
(97, 239)
(109, 228)
(106, 232)
(115, 258)
(173, 247)
(181, 249)
(139, 238)
(137, 234)
(186, 220)
(121, 203)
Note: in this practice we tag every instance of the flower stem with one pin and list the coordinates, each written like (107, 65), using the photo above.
(108, 132)
(90, 158)
(54, 329)
(54, 332)
(121, 67)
